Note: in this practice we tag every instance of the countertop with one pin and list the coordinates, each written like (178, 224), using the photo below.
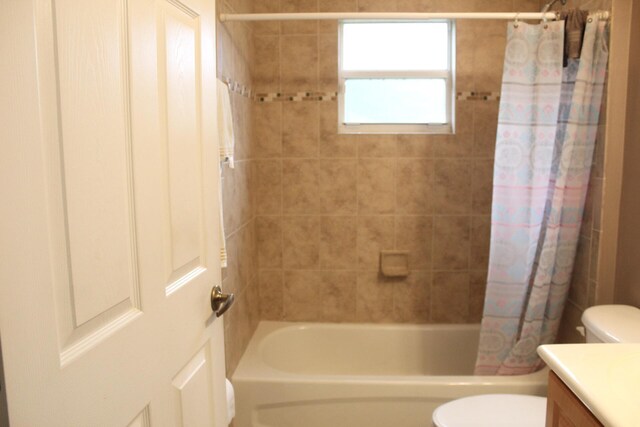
(605, 377)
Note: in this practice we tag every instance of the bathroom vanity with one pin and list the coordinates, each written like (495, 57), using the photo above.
(564, 408)
(593, 384)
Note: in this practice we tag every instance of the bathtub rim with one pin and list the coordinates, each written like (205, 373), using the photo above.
(252, 368)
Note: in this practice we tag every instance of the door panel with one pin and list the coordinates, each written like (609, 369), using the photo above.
(179, 59)
(109, 223)
(91, 56)
(193, 385)
(89, 158)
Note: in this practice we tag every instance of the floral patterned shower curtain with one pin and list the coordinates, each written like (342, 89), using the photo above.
(544, 149)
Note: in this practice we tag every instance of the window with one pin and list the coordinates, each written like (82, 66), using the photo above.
(396, 77)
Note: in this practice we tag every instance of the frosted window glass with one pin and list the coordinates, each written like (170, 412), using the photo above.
(395, 101)
(395, 46)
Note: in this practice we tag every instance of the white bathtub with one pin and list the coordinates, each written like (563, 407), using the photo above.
(355, 375)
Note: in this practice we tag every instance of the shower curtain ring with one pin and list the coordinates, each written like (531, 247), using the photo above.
(515, 24)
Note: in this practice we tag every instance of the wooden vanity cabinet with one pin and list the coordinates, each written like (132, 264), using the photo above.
(564, 409)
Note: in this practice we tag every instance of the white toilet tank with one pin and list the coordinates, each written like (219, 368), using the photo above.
(612, 324)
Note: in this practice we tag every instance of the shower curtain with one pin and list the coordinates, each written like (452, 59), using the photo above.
(545, 140)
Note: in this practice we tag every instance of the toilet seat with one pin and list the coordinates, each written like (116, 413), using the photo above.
(492, 410)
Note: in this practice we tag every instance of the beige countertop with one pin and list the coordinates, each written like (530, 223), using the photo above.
(605, 377)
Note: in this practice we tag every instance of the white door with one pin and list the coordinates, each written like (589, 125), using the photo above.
(109, 239)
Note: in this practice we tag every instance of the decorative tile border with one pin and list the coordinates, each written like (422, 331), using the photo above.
(297, 96)
(478, 96)
(332, 96)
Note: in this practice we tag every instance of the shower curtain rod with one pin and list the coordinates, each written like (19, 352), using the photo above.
(382, 16)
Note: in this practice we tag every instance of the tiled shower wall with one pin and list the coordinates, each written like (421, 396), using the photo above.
(326, 204)
(241, 275)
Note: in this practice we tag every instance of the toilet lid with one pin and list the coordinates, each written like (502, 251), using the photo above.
(492, 410)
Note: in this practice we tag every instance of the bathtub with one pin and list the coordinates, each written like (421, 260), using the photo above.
(361, 375)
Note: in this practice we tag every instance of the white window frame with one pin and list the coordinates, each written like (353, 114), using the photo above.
(396, 128)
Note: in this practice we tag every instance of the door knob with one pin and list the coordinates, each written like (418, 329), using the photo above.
(220, 302)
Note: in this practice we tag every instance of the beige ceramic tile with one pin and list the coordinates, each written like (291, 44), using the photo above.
(236, 196)
(266, 66)
(230, 196)
(338, 242)
(302, 295)
(452, 186)
(376, 186)
(338, 296)
(415, 6)
(450, 297)
(482, 187)
(241, 113)
(494, 5)
(300, 186)
(374, 298)
(597, 204)
(332, 144)
(331, 26)
(253, 302)
(267, 129)
(477, 291)
(239, 326)
(480, 238)
(241, 39)
(587, 217)
(598, 155)
(328, 62)
(451, 242)
(269, 236)
(338, 186)
(301, 242)
(299, 27)
(268, 188)
(415, 234)
(412, 298)
(459, 144)
(244, 199)
(485, 125)
(570, 320)
(437, 5)
(414, 186)
(299, 63)
(465, 48)
(271, 294)
(248, 254)
(241, 6)
(593, 255)
(232, 344)
(578, 292)
(232, 282)
(489, 57)
(527, 5)
(300, 129)
(376, 5)
(267, 27)
(376, 145)
(419, 145)
(375, 233)
(593, 293)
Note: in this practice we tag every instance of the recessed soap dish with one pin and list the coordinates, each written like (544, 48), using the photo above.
(394, 263)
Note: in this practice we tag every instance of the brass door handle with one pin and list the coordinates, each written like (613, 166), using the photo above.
(220, 302)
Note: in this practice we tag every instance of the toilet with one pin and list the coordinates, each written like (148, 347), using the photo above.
(602, 324)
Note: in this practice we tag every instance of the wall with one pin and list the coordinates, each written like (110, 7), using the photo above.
(241, 276)
(593, 281)
(628, 266)
(327, 203)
